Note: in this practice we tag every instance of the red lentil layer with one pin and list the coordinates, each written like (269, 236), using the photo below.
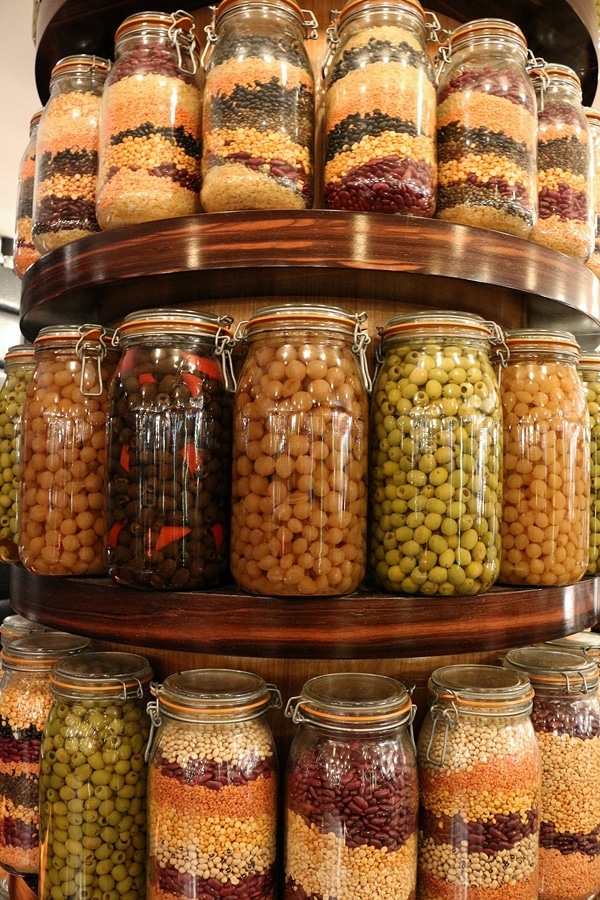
(232, 74)
(479, 110)
(430, 888)
(129, 102)
(571, 876)
(254, 799)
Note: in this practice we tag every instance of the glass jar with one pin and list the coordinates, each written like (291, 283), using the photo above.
(25, 252)
(300, 452)
(589, 372)
(479, 775)
(18, 366)
(436, 449)
(169, 436)
(25, 700)
(486, 129)
(149, 142)
(380, 103)
(212, 787)
(593, 119)
(352, 790)
(585, 641)
(62, 522)
(565, 166)
(566, 719)
(66, 164)
(258, 123)
(93, 778)
(546, 473)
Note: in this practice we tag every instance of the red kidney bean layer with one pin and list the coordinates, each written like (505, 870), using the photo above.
(562, 716)
(213, 775)
(569, 842)
(385, 185)
(250, 887)
(488, 81)
(481, 836)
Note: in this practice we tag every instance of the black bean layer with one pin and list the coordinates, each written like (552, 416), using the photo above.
(496, 193)
(177, 136)
(68, 162)
(377, 50)
(482, 837)
(9, 737)
(455, 141)
(259, 46)
(569, 842)
(355, 127)
(269, 106)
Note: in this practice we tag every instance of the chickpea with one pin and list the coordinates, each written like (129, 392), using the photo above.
(589, 369)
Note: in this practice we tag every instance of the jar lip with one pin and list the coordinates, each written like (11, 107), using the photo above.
(553, 667)
(179, 321)
(308, 314)
(588, 641)
(592, 114)
(41, 649)
(226, 6)
(213, 692)
(555, 71)
(354, 7)
(485, 688)
(590, 357)
(89, 332)
(433, 323)
(81, 63)
(19, 352)
(110, 673)
(36, 117)
(487, 27)
(14, 626)
(540, 338)
(149, 20)
(343, 699)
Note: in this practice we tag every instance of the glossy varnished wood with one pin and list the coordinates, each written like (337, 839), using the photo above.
(350, 257)
(363, 625)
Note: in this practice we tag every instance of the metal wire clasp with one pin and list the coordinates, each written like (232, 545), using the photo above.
(359, 347)
(155, 719)
(91, 350)
(447, 717)
(224, 345)
(182, 35)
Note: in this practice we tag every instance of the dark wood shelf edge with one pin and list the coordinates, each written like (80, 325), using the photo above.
(360, 626)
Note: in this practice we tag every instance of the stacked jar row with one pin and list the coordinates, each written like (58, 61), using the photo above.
(148, 462)
(157, 135)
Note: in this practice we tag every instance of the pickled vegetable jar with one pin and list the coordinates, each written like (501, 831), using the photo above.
(25, 253)
(259, 106)
(436, 446)
(479, 773)
(66, 163)
(212, 788)
(589, 372)
(149, 139)
(566, 719)
(352, 790)
(62, 521)
(487, 129)
(545, 518)
(300, 452)
(169, 434)
(25, 700)
(93, 778)
(593, 118)
(566, 219)
(380, 110)
(19, 363)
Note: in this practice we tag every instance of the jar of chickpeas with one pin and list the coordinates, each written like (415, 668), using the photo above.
(545, 519)
(436, 437)
(300, 447)
(62, 528)
(589, 372)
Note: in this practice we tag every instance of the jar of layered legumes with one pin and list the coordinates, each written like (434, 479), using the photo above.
(169, 455)
(380, 102)
(589, 372)
(593, 119)
(149, 141)
(66, 163)
(487, 129)
(479, 778)
(25, 700)
(25, 252)
(436, 449)
(566, 219)
(62, 521)
(546, 461)
(566, 719)
(300, 452)
(352, 791)
(259, 107)
(212, 787)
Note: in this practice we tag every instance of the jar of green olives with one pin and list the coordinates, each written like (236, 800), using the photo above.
(436, 433)
(19, 364)
(589, 372)
(93, 779)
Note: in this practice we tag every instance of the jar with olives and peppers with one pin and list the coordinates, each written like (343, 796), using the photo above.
(25, 700)
(25, 252)
(566, 220)
(66, 163)
(436, 446)
(479, 776)
(169, 457)
(149, 139)
(259, 107)
(62, 520)
(380, 109)
(212, 787)
(19, 363)
(546, 461)
(300, 452)
(352, 790)
(93, 779)
(566, 720)
(589, 372)
(593, 119)
(486, 129)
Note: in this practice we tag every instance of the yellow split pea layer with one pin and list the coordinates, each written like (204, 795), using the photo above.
(386, 144)
(570, 779)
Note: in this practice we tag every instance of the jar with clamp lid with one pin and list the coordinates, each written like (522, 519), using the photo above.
(546, 452)
(487, 129)
(25, 251)
(479, 775)
(351, 790)
(585, 641)
(436, 443)
(25, 701)
(149, 141)
(589, 372)
(169, 435)
(566, 719)
(300, 452)
(566, 219)
(19, 363)
(380, 109)
(259, 107)
(593, 119)
(66, 164)
(62, 522)
(212, 787)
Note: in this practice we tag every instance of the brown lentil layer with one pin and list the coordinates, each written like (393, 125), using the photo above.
(569, 876)
(454, 139)
(281, 109)
(563, 151)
